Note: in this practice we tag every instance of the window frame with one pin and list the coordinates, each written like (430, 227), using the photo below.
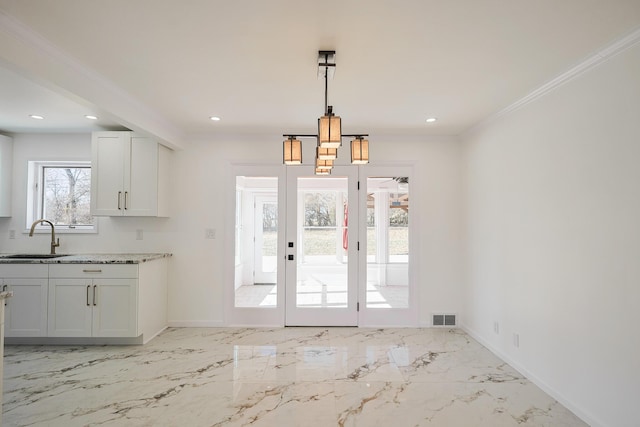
(35, 197)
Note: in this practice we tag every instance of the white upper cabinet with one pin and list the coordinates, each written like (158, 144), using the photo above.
(128, 175)
(6, 166)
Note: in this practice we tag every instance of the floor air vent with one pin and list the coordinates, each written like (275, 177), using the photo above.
(444, 320)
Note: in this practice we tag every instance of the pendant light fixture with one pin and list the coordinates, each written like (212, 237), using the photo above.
(292, 151)
(326, 153)
(329, 136)
(324, 164)
(359, 151)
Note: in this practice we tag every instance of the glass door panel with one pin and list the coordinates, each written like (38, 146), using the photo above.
(322, 279)
(256, 239)
(387, 242)
(386, 290)
(266, 239)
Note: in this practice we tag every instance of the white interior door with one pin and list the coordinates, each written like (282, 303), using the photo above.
(321, 247)
(265, 240)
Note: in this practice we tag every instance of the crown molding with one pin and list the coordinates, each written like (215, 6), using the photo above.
(587, 64)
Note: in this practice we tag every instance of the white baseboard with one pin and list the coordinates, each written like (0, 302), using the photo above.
(147, 339)
(195, 324)
(579, 412)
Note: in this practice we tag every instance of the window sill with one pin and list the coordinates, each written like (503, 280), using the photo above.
(63, 231)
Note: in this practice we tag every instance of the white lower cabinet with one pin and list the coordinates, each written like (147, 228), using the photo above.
(26, 311)
(93, 301)
(93, 307)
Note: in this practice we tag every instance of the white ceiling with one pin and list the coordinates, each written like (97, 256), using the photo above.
(164, 66)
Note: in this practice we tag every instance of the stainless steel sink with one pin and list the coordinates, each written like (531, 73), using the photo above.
(32, 256)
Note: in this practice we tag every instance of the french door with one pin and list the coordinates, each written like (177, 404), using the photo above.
(321, 247)
(313, 250)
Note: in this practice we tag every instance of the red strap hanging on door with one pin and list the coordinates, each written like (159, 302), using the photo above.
(345, 223)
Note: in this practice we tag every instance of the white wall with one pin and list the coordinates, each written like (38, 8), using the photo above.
(115, 235)
(553, 222)
(199, 178)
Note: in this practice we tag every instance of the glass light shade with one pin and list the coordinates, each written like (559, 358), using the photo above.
(324, 164)
(330, 132)
(326, 153)
(292, 151)
(359, 151)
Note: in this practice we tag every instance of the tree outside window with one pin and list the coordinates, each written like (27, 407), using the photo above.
(66, 196)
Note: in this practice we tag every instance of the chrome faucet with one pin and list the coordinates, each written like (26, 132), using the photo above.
(54, 243)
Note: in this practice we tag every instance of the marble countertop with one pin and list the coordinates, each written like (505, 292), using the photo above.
(88, 259)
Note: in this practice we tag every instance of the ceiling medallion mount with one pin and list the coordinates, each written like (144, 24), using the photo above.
(329, 136)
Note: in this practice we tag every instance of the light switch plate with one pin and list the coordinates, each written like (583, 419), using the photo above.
(210, 233)
(139, 234)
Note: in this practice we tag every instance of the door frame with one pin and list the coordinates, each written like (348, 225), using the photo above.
(275, 316)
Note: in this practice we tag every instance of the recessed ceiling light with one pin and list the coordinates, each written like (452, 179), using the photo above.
(90, 117)
(431, 119)
(215, 118)
(37, 117)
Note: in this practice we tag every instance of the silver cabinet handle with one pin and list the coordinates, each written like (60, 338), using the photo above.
(92, 271)
(119, 196)
(88, 305)
(126, 193)
(94, 294)
(4, 288)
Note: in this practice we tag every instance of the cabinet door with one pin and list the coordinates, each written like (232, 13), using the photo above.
(141, 177)
(107, 172)
(6, 165)
(26, 311)
(70, 307)
(115, 313)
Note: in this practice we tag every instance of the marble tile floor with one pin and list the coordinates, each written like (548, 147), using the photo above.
(275, 377)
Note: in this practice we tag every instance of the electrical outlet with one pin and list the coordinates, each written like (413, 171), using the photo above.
(12, 234)
(516, 340)
(139, 234)
(496, 327)
(210, 233)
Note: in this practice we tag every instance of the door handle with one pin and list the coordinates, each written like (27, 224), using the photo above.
(119, 196)
(126, 193)
(88, 305)
(94, 294)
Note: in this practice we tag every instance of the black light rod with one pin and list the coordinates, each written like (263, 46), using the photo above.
(326, 89)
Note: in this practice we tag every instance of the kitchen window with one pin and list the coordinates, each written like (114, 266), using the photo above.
(61, 193)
